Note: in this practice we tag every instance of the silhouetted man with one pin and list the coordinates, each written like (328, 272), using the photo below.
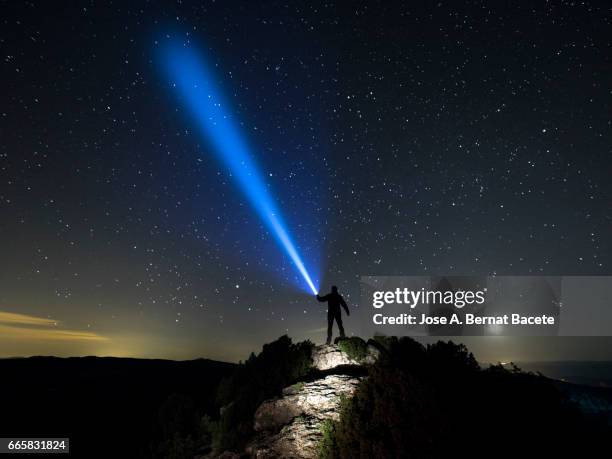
(334, 301)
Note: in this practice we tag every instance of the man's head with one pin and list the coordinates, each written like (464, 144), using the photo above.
(334, 289)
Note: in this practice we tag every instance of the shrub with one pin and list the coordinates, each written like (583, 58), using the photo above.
(354, 347)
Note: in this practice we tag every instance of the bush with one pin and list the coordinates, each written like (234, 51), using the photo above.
(354, 347)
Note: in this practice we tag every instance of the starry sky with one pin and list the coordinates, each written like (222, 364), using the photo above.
(398, 139)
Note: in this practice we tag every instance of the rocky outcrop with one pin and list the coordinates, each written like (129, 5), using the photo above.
(290, 426)
(327, 357)
(318, 399)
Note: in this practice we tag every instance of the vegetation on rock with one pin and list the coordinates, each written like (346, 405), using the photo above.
(327, 445)
(354, 347)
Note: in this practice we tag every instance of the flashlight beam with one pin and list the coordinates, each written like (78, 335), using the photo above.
(196, 88)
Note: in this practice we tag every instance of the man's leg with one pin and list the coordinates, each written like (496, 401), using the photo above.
(339, 320)
(330, 324)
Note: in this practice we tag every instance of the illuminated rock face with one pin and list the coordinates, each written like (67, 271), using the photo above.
(327, 357)
(318, 399)
(298, 440)
(290, 426)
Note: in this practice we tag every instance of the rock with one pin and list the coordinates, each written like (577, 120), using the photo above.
(273, 414)
(290, 426)
(326, 356)
(318, 399)
(372, 356)
(298, 440)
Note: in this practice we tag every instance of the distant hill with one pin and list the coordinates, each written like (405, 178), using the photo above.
(109, 407)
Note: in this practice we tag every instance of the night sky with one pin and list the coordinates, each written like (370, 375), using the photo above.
(438, 138)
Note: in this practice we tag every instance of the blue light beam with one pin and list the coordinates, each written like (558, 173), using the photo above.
(196, 87)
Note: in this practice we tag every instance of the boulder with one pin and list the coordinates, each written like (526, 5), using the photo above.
(326, 357)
